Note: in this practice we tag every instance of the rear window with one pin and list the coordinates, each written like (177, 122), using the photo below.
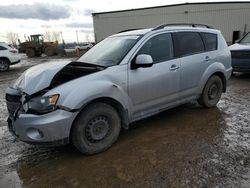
(188, 43)
(210, 41)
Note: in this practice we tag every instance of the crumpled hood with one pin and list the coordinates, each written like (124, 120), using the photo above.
(38, 77)
(238, 46)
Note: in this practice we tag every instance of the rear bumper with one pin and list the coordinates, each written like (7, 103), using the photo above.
(14, 58)
(229, 73)
(243, 70)
(48, 129)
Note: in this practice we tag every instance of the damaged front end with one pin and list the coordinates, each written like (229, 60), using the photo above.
(32, 113)
(13, 102)
(22, 97)
(74, 70)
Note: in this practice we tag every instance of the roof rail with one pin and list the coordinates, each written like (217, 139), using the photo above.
(129, 30)
(181, 24)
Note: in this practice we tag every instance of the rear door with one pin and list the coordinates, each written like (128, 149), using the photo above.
(194, 59)
(211, 47)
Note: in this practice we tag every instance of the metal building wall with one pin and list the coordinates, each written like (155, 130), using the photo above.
(227, 17)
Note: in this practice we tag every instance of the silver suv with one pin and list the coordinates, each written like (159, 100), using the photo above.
(126, 77)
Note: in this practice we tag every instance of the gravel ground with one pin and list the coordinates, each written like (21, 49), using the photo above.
(187, 146)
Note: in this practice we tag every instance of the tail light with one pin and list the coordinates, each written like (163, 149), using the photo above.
(13, 51)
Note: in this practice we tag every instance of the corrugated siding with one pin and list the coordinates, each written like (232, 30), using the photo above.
(225, 17)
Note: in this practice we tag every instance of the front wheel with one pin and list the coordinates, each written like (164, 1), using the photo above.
(96, 128)
(212, 92)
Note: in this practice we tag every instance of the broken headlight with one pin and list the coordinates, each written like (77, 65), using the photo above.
(41, 105)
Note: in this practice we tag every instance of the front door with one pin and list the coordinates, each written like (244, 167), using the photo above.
(154, 88)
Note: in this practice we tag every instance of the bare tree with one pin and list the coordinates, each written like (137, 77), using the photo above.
(12, 37)
(56, 35)
(88, 38)
(52, 35)
(47, 36)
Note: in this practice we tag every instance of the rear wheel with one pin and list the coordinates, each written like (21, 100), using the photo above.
(96, 128)
(212, 92)
(4, 65)
(30, 52)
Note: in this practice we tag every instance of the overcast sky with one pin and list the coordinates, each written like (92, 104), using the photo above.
(66, 16)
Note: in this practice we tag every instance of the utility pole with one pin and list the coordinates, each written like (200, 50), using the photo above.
(77, 37)
(61, 36)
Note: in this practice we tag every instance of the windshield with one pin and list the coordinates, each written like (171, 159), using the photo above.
(110, 51)
(245, 39)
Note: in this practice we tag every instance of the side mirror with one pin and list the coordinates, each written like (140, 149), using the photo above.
(142, 60)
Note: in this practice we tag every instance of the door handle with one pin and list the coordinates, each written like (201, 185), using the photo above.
(173, 67)
(207, 58)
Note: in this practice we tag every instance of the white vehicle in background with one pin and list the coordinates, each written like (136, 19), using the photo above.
(8, 56)
(84, 46)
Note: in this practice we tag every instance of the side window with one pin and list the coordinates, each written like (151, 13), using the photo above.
(210, 40)
(160, 47)
(2, 48)
(187, 43)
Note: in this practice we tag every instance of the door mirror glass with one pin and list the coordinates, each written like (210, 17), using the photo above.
(143, 60)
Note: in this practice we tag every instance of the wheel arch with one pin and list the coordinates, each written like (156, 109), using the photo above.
(214, 69)
(114, 103)
(3, 57)
(222, 77)
(122, 112)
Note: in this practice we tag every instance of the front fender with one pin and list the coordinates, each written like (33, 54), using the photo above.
(77, 97)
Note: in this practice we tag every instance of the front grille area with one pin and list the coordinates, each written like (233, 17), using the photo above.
(13, 103)
(13, 98)
(240, 54)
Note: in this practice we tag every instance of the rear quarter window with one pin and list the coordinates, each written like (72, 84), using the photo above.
(210, 41)
(188, 43)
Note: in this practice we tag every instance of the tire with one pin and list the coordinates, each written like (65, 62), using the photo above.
(38, 54)
(96, 128)
(30, 52)
(4, 65)
(49, 51)
(212, 92)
